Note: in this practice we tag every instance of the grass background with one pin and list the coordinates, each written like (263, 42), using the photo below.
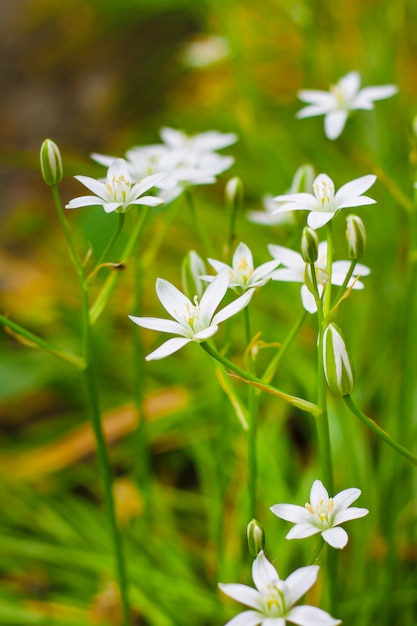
(99, 75)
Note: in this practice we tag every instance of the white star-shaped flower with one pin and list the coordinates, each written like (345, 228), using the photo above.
(118, 192)
(242, 273)
(294, 272)
(272, 602)
(324, 204)
(193, 321)
(322, 515)
(343, 97)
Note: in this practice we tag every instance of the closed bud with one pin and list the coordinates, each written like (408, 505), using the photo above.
(51, 163)
(192, 268)
(256, 537)
(356, 237)
(337, 363)
(303, 179)
(309, 245)
(234, 193)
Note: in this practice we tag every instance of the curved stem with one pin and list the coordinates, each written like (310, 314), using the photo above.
(342, 287)
(273, 365)
(380, 432)
(252, 430)
(110, 245)
(199, 228)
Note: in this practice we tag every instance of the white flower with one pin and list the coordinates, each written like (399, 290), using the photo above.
(205, 51)
(325, 203)
(201, 143)
(342, 98)
(273, 599)
(194, 321)
(119, 192)
(322, 515)
(242, 274)
(294, 272)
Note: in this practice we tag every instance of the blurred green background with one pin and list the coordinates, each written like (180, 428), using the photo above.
(102, 76)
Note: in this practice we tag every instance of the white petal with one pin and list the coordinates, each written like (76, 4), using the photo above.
(288, 257)
(148, 201)
(233, 307)
(334, 123)
(249, 618)
(109, 207)
(317, 219)
(303, 199)
(311, 616)
(264, 270)
(242, 252)
(263, 572)
(291, 513)
(318, 493)
(302, 531)
(218, 265)
(299, 582)
(159, 324)
(350, 84)
(359, 201)
(378, 93)
(206, 333)
(172, 299)
(81, 201)
(323, 98)
(345, 498)
(95, 186)
(346, 515)
(335, 537)
(313, 110)
(242, 593)
(213, 295)
(352, 189)
(147, 183)
(287, 275)
(167, 348)
(308, 300)
(103, 159)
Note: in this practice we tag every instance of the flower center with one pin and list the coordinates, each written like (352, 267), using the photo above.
(274, 601)
(322, 513)
(119, 188)
(242, 271)
(324, 192)
(340, 96)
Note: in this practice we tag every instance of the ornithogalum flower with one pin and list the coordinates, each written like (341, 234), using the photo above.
(193, 321)
(324, 204)
(118, 193)
(242, 274)
(322, 515)
(294, 266)
(272, 602)
(345, 96)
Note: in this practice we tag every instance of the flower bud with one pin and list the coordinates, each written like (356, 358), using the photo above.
(256, 537)
(309, 245)
(51, 163)
(192, 268)
(337, 363)
(356, 237)
(234, 193)
(303, 179)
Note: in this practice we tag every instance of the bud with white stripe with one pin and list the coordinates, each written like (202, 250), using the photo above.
(337, 363)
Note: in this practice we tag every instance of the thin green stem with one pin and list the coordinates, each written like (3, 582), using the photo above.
(111, 243)
(273, 364)
(380, 432)
(327, 296)
(252, 430)
(34, 340)
(95, 413)
(344, 285)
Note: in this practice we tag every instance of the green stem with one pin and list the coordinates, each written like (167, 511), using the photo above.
(327, 296)
(110, 245)
(73, 359)
(252, 430)
(101, 300)
(380, 432)
(91, 384)
(300, 403)
(273, 365)
(199, 227)
(344, 285)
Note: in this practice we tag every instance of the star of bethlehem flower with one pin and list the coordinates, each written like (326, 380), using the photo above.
(294, 272)
(324, 204)
(242, 273)
(186, 160)
(193, 321)
(272, 602)
(322, 515)
(343, 97)
(119, 192)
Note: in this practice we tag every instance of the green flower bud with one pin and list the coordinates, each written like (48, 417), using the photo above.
(337, 363)
(309, 245)
(256, 537)
(356, 237)
(303, 179)
(192, 268)
(51, 163)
